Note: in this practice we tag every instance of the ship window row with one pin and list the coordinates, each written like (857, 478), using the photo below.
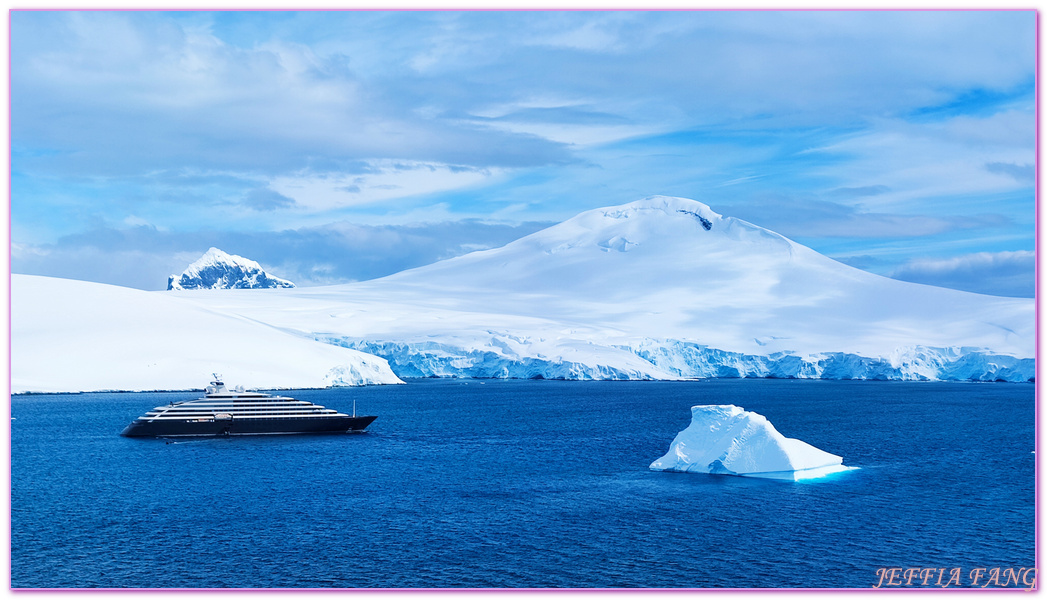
(253, 417)
(239, 406)
(227, 406)
(243, 400)
(237, 410)
(247, 416)
(246, 412)
(197, 404)
(253, 407)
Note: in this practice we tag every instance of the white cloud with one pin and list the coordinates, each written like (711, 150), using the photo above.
(123, 93)
(914, 160)
(598, 33)
(803, 218)
(997, 273)
(176, 118)
(573, 134)
(331, 253)
(576, 121)
(136, 221)
(382, 181)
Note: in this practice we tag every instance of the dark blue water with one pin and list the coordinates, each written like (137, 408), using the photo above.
(524, 484)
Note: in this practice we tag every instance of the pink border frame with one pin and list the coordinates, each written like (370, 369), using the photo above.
(1037, 186)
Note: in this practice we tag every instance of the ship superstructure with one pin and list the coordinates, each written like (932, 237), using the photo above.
(236, 412)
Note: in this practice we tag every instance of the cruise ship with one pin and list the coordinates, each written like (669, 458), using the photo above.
(235, 412)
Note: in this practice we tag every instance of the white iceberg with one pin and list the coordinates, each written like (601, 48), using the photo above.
(728, 440)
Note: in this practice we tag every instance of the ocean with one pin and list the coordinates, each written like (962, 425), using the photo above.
(528, 484)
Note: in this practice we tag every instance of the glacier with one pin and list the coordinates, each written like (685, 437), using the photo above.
(219, 270)
(679, 360)
(729, 440)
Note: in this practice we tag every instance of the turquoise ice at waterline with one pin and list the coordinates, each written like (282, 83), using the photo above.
(728, 440)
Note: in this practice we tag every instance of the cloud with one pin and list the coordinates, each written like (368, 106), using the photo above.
(380, 180)
(862, 124)
(601, 33)
(121, 93)
(807, 218)
(864, 262)
(1021, 173)
(142, 257)
(907, 162)
(575, 123)
(267, 199)
(996, 273)
(859, 192)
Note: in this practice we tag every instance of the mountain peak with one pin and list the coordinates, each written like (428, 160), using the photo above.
(672, 203)
(219, 270)
(669, 205)
(216, 255)
(629, 251)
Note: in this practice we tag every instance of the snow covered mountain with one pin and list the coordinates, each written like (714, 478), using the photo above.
(218, 270)
(662, 288)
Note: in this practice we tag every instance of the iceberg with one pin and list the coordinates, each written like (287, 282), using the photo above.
(729, 440)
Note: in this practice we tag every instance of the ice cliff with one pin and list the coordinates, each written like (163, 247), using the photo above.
(219, 270)
(650, 359)
(728, 440)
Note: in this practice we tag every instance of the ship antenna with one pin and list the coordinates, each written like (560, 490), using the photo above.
(354, 406)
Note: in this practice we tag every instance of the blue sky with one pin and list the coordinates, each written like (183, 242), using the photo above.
(339, 146)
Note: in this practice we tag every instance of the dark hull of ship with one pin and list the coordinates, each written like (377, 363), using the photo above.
(253, 426)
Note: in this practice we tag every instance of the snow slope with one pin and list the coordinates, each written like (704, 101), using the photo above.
(728, 440)
(69, 336)
(218, 270)
(662, 288)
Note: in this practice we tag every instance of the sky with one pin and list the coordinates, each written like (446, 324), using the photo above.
(341, 146)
